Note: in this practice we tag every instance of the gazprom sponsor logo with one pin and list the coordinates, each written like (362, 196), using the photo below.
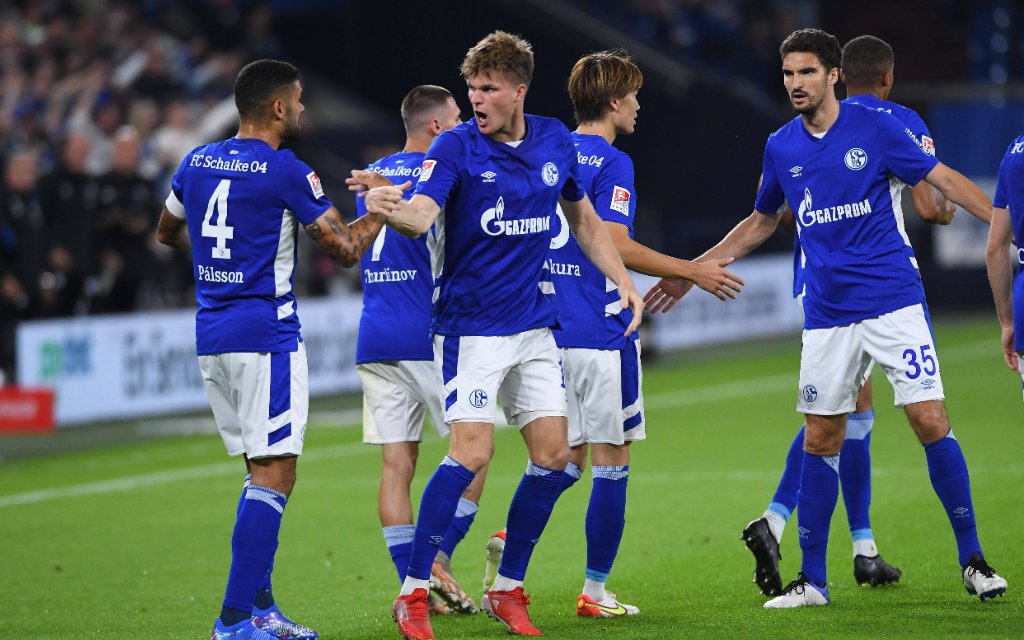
(493, 223)
(209, 274)
(808, 215)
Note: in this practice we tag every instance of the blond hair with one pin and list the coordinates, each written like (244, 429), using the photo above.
(500, 53)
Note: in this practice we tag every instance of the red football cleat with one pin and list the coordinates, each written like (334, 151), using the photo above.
(410, 612)
(509, 608)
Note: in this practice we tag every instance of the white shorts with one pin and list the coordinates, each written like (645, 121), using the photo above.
(259, 400)
(396, 396)
(834, 361)
(606, 402)
(524, 370)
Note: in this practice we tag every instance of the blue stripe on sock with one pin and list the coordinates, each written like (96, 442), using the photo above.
(862, 534)
(780, 509)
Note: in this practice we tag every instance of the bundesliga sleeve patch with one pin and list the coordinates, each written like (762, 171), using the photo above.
(928, 145)
(620, 201)
(427, 169)
(314, 184)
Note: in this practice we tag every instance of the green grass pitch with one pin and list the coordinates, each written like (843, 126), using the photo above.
(132, 540)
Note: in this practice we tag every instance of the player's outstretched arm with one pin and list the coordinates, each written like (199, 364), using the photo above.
(173, 231)
(960, 190)
(744, 238)
(1000, 277)
(361, 181)
(409, 217)
(710, 276)
(593, 237)
(344, 243)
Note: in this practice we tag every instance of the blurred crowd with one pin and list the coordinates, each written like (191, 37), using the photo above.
(99, 102)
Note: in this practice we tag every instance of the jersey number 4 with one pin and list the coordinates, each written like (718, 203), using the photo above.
(220, 230)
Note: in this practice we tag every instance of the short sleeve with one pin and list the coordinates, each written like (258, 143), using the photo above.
(301, 191)
(770, 197)
(439, 174)
(175, 199)
(572, 188)
(614, 192)
(904, 156)
(921, 133)
(1001, 198)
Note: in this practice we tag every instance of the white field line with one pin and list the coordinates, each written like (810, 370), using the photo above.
(710, 393)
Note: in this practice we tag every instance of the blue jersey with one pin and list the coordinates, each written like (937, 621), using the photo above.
(1010, 194)
(590, 315)
(858, 264)
(395, 324)
(243, 201)
(914, 125)
(498, 206)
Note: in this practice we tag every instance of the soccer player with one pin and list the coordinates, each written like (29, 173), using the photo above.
(863, 298)
(867, 71)
(601, 359)
(394, 357)
(497, 180)
(1007, 226)
(237, 205)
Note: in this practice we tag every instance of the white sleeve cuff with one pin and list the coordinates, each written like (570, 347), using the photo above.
(174, 206)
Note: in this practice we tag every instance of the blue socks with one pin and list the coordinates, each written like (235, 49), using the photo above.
(527, 516)
(437, 509)
(855, 473)
(465, 513)
(569, 476)
(948, 471)
(253, 545)
(606, 519)
(784, 500)
(265, 594)
(819, 492)
(399, 540)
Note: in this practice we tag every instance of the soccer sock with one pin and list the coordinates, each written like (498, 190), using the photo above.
(399, 540)
(465, 513)
(816, 500)
(569, 476)
(948, 471)
(606, 519)
(855, 479)
(784, 500)
(527, 516)
(437, 508)
(265, 594)
(253, 545)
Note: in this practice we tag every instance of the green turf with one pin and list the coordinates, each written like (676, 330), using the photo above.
(148, 558)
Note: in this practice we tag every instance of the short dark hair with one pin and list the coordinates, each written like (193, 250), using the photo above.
(599, 77)
(259, 82)
(822, 44)
(865, 59)
(421, 102)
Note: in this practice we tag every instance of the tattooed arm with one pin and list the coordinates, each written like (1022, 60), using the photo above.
(173, 232)
(344, 243)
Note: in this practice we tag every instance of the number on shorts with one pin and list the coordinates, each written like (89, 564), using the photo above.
(927, 363)
(219, 230)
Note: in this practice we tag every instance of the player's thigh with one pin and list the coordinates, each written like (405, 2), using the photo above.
(534, 386)
(222, 398)
(273, 401)
(605, 395)
(471, 369)
(833, 364)
(902, 344)
(392, 411)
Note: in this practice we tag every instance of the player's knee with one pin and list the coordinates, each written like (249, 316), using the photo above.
(552, 457)
(823, 444)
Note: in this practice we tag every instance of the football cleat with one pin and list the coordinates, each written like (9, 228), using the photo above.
(443, 583)
(874, 571)
(759, 539)
(436, 606)
(799, 593)
(495, 547)
(410, 612)
(244, 630)
(509, 608)
(610, 607)
(981, 580)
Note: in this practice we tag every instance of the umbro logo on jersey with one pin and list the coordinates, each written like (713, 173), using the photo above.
(795, 171)
(488, 176)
